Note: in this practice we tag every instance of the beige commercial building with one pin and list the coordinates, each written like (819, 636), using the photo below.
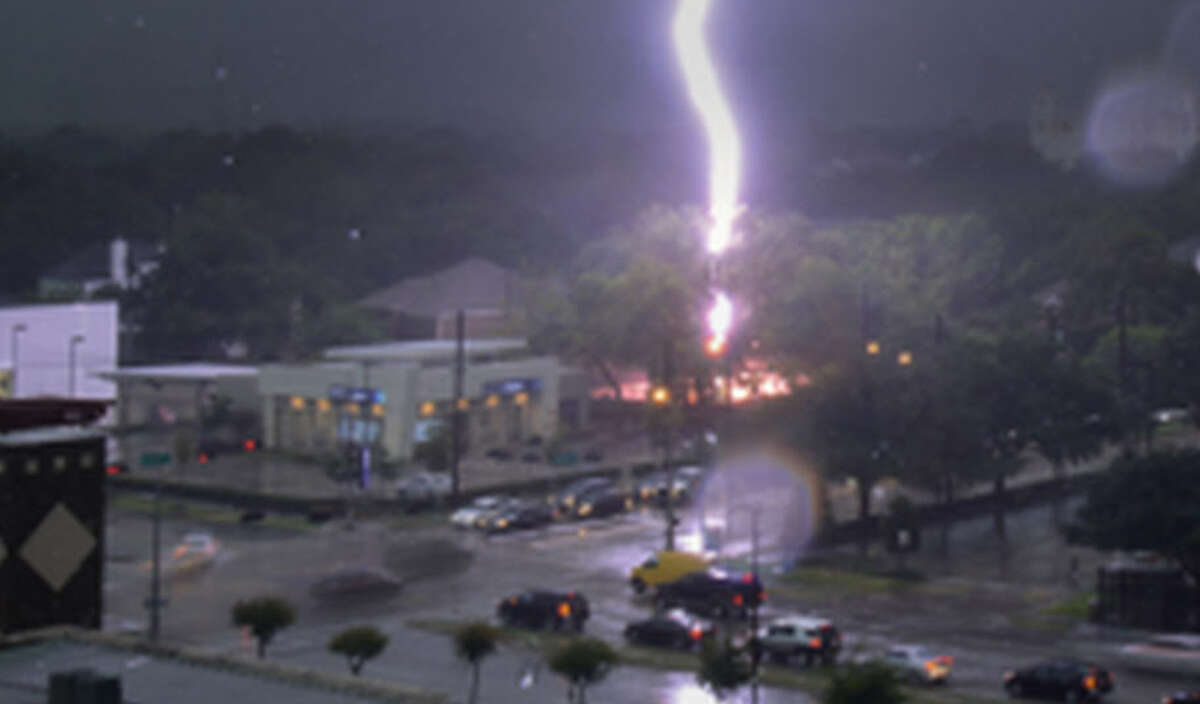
(394, 395)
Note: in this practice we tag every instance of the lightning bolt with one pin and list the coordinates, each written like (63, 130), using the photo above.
(725, 153)
(704, 90)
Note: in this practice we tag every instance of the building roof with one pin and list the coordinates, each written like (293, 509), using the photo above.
(424, 350)
(30, 413)
(158, 674)
(190, 371)
(472, 284)
(95, 261)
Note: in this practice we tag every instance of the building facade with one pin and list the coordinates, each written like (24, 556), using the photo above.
(58, 350)
(395, 395)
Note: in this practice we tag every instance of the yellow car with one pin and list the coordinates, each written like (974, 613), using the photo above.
(665, 567)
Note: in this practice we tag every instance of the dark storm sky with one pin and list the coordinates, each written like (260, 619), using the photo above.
(561, 65)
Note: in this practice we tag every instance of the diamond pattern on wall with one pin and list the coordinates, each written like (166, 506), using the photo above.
(58, 546)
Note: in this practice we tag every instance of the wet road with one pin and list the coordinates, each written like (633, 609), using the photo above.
(457, 575)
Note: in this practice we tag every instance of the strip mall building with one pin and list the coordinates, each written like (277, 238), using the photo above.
(395, 395)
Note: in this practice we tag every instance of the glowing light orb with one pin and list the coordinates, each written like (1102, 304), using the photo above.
(704, 90)
(1143, 128)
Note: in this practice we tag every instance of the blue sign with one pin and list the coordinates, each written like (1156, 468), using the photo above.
(509, 387)
(356, 394)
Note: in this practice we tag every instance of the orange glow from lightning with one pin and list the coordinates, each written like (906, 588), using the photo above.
(704, 90)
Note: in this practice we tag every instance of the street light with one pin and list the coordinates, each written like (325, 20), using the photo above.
(75, 341)
(904, 359)
(15, 331)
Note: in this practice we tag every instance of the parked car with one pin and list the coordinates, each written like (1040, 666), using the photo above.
(465, 516)
(670, 629)
(357, 583)
(913, 663)
(544, 610)
(484, 518)
(713, 593)
(1182, 697)
(664, 567)
(520, 515)
(1068, 680)
(423, 488)
(601, 502)
(565, 499)
(808, 637)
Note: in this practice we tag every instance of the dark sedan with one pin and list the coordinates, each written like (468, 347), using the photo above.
(605, 501)
(523, 515)
(671, 629)
(1066, 680)
(713, 593)
(544, 610)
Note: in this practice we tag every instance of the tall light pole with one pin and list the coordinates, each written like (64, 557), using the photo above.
(15, 331)
(75, 341)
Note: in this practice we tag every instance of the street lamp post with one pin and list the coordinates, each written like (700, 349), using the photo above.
(75, 341)
(15, 331)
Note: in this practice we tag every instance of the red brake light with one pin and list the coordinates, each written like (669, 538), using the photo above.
(696, 633)
(814, 643)
(737, 600)
(762, 596)
(112, 470)
(249, 445)
(747, 578)
(945, 660)
(203, 458)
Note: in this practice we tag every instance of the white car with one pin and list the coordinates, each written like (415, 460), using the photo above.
(195, 551)
(808, 637)
(423, 487)
(914, 663)
(466, 516)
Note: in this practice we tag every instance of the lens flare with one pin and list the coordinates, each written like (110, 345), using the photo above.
(725, 149)
(720, 319)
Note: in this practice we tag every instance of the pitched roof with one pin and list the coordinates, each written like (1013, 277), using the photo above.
(471, 284)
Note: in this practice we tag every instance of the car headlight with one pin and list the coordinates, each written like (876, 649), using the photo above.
(585, 509)
(502, 523)
(569, 501)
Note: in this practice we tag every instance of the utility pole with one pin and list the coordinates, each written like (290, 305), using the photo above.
(156, 558)
(668, 466)
(456, 412)
(756, 647)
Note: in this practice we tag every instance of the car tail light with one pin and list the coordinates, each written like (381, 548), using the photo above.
(203, 458)
(696, 633)
(564, 610)
(762, 595)
(112, 470)
(814, 643)
(945, 660)
(748, 578)
(1089, 682)
(737, 600)
(249, 444)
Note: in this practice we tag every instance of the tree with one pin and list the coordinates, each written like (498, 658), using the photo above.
(1145, 503)
(474, 642)
(870, 683)
(583, 662)
(264, 616)
(359, 644)
(723, 668)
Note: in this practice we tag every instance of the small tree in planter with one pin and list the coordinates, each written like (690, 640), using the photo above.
(358, 644)
(265, 617)
(474, 642)
(583, 662)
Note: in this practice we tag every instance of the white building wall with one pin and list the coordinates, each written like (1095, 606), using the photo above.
(41, 367)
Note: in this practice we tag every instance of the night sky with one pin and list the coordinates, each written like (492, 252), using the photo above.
(562, 66)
